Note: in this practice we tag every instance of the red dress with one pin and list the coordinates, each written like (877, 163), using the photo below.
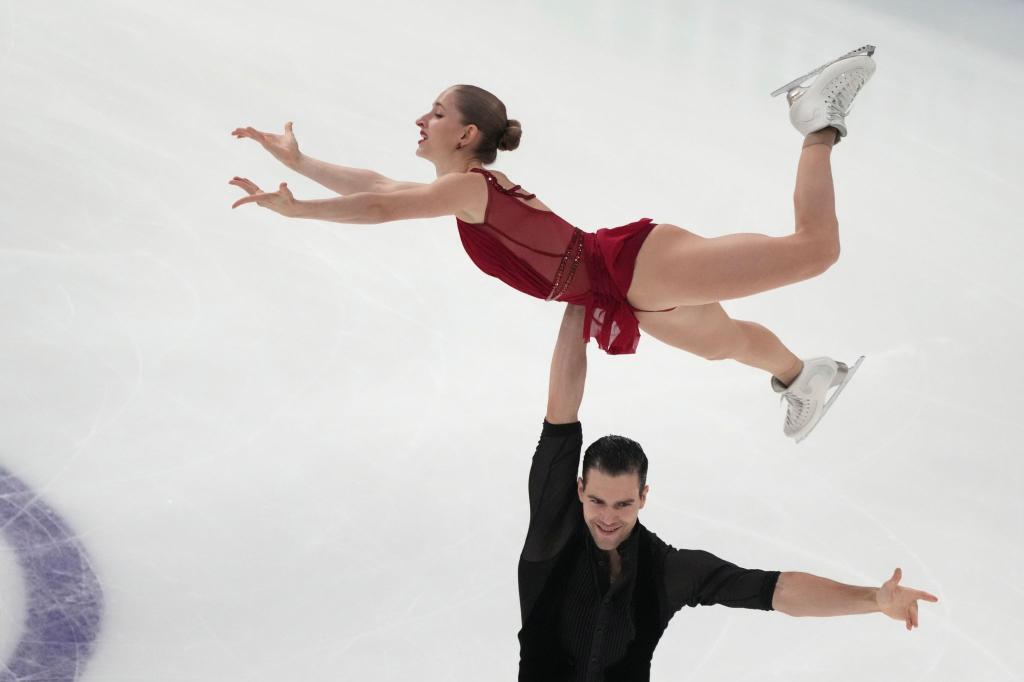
(540, 254)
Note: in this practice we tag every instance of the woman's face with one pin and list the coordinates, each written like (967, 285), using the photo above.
(441, 129)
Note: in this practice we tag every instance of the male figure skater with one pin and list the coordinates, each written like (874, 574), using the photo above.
(597, 589)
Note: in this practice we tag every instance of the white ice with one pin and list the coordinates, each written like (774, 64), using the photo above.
(298, 450)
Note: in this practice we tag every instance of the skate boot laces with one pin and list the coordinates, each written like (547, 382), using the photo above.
(798, 410)
(840, 92)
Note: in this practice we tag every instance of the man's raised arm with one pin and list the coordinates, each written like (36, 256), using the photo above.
(554, 505)
(568, 369)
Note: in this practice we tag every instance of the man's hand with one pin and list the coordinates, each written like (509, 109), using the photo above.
(900, 602)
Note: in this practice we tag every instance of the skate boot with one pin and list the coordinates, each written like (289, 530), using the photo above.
(806, 395)
(826, 100)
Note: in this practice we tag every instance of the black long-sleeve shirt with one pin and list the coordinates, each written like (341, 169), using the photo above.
(579, 626)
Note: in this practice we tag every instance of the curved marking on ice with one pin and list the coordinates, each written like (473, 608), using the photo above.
(64, 601)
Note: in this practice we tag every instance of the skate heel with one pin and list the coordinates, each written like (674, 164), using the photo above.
(808, 395)
(842, 369)
(843, 377)
(867, 50)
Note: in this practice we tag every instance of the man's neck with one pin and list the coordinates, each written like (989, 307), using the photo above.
(614, 564)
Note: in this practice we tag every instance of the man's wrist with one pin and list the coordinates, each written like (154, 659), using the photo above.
(873, 592)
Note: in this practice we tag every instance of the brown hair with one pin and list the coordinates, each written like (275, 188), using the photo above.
(482, 109)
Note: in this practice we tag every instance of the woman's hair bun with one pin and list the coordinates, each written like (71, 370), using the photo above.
(510, 138)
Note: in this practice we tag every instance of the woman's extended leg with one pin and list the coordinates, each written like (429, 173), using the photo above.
(676, 267)
(706, 330)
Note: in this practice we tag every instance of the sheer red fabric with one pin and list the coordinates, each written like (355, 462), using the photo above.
(538, 253)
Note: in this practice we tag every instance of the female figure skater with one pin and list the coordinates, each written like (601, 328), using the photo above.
(660, 278)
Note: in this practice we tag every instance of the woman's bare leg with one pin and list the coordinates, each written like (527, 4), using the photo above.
(707, 331)
(677, 267)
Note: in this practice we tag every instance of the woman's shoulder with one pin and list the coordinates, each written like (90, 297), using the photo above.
(498, 177)
(491, 174)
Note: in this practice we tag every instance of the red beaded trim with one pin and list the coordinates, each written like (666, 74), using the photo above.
(573, 253)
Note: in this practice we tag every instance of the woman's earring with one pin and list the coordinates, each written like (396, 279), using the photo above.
(458, 146)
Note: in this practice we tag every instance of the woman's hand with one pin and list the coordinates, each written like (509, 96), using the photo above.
(900, 602)
(284, 147)
(280, 201)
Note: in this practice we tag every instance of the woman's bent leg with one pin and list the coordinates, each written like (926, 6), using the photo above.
(677, 267)
(707, 331)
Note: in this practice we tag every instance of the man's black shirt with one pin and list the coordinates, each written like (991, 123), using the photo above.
(576, 625)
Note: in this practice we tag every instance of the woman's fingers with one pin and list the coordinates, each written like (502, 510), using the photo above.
(250, 187)
(246, 184)
(249, 132)
(248, 200)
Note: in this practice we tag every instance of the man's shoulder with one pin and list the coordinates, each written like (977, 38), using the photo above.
(651, 545)
(651, 539)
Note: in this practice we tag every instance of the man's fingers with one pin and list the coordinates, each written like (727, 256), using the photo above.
(924, 596)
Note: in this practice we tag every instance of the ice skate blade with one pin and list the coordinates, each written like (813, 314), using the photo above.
(865, 50)
(846, 373)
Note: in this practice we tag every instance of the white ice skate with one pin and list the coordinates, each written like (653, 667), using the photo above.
(806, 395)
(826, 100)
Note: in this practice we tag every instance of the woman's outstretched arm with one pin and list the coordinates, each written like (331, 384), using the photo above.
(450, 194)
(340, 179)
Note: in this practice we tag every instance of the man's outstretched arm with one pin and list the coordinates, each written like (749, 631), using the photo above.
(803, 594)
(568, 369)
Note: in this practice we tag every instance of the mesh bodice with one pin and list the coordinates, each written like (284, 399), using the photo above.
(538, 253)
(530, 249)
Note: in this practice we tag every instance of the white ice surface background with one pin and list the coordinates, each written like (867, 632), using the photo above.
(296, 450)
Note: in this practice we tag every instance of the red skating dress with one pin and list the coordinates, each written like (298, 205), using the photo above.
(540, 254)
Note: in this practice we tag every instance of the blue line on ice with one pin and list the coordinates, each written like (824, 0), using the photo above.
(64, 599)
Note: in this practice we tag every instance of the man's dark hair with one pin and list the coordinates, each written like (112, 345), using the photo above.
(615, 455)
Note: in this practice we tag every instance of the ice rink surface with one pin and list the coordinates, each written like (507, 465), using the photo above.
(291, 450)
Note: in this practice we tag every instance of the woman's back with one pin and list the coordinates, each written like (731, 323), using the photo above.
(522, 242)
(530, 248)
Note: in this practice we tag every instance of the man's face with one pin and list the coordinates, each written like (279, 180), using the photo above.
(611, 505)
